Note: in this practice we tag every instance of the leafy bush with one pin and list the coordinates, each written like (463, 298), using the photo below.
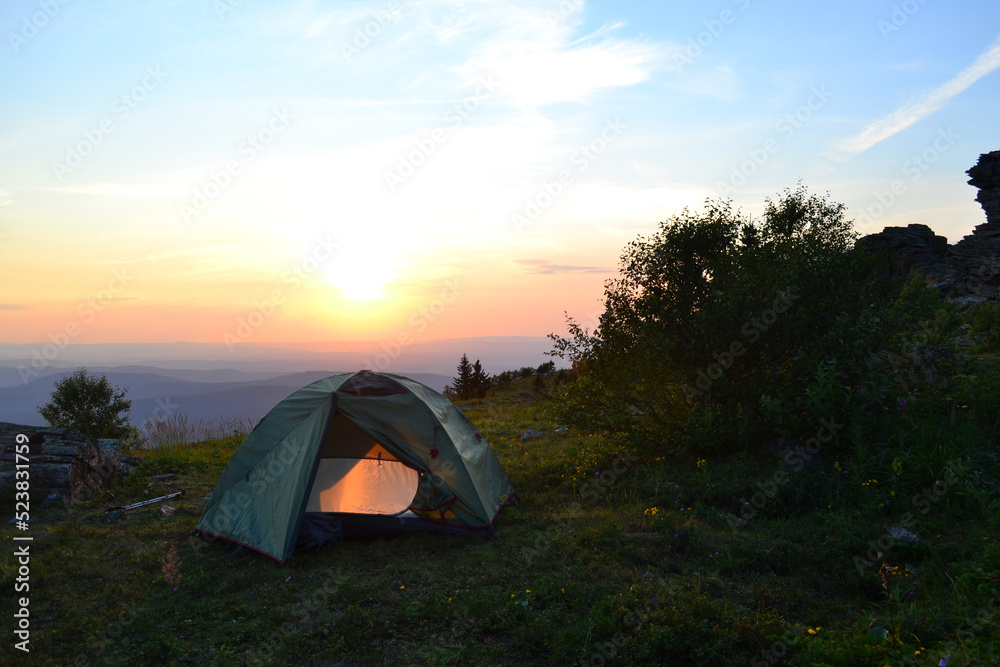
(717, 310)
(985, 321)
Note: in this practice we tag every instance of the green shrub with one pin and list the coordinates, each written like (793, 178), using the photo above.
(746, 329)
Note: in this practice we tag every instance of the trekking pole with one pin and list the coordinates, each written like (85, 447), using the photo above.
(126, 508)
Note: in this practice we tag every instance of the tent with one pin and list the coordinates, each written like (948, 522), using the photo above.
(376, 451)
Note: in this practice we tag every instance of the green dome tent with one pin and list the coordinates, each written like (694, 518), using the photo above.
(376, 450)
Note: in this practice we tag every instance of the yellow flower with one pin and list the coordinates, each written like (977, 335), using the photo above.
(402, 588)
(897, 467)
(811, 631)
(528, 591)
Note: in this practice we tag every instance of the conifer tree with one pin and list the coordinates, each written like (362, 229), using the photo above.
(463, 384)
(480, 380)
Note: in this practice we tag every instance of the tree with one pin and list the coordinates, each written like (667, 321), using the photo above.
(89, 405)
(480, 382)
(716, 311)
(472, 381)
(462, 385)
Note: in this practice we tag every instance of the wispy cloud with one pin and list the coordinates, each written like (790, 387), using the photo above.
(13, 306)
(907, 115)
(539, 56)
(540, 266)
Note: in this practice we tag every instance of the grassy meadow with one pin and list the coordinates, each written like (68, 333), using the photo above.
(615, 555)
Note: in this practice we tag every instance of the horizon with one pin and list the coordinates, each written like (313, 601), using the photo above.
(385, 174)
(24, 363)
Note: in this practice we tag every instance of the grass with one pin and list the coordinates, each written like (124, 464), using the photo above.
(614, 556)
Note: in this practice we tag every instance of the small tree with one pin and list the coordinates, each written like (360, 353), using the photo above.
(89, 405)
(480, 380)
(462, 385)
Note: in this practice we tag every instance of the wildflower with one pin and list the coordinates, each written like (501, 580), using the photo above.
(528, 591)
(811, 631)
(836, 466)
(402, 588)
(897, 467)
(701, 462)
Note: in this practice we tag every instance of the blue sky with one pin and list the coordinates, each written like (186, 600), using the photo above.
(513, 147)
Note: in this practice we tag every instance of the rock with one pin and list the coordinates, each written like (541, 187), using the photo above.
(901, 534)
(531, 433)
(977, 256)
(969, 267)
(167, 510)
(129, 463)
(986, 176)
(60, 460)
(911, 247)
(564, 429)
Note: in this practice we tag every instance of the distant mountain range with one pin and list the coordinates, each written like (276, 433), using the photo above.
(168, 392)
(208, 381)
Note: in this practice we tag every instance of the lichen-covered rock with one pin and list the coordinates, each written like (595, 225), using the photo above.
(59, 460)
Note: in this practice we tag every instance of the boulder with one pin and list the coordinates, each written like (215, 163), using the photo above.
(59, 460)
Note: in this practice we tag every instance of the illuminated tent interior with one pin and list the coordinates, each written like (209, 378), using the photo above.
(360, 476)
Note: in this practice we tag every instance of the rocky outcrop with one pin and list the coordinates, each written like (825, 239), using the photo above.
(986, 176)
(977, 256)
(57, 459)
(911, 247)
(970, 267)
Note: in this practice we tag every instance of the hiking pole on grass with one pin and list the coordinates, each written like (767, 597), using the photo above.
(118, 511)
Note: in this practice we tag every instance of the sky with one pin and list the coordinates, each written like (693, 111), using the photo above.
(235, 171)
